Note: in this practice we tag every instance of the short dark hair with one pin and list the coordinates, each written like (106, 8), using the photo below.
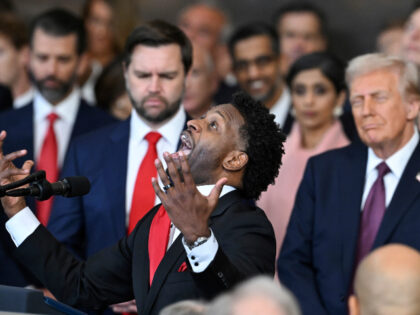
(251, 30)
(264, 144)
(60, 22)
(110, 85)
(330, 66)
(159, 33)
(14, 29)
(302, 7)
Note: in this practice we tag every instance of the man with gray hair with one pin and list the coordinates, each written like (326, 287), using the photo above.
(257, 296)
(387, 282)
(360, 197)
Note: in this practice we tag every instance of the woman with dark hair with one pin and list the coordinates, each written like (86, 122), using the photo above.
(110, 92)
(316, 82)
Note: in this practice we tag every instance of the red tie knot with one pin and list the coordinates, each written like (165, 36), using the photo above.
(52, 117)
(383, 169)
(153, 137)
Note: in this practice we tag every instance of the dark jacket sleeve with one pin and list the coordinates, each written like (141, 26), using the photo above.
(105, 278)
(295, 268)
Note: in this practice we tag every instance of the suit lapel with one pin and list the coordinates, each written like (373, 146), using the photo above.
(350, 193)
(407, 191)
(115, 172)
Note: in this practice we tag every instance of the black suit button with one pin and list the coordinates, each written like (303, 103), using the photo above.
(196, 264)
(220, 274)
(193, 257)
(342, 298)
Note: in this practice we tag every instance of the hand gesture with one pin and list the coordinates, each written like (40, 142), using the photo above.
(187, 208)
(10, 173)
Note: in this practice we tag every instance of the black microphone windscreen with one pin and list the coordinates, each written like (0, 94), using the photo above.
(79, 186)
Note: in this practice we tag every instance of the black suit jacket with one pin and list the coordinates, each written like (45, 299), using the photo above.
(121, 272)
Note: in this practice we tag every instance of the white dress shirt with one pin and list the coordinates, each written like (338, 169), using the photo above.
(281, 108)
(137, 148)
(396, 163)
(63, 126)
(24, 99)
(24, 223)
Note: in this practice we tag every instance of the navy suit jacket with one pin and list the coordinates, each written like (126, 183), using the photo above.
(317, 258)
(19, 126)
(97, 220)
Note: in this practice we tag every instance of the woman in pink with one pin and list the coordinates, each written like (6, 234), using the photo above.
(316, 82)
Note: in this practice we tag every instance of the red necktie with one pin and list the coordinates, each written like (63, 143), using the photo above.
(372, 215)
(158, 240)
(144, 194)
(48, 162)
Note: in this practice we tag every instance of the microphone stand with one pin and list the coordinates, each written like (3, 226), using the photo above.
(36, 177)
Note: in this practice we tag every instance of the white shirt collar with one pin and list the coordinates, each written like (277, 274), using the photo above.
(170, 131)
(24, 99)
(66, 109)
(398, 160)
(281, 108)
(206, 189)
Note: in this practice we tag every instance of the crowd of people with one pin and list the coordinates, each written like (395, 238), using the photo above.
(233, 170)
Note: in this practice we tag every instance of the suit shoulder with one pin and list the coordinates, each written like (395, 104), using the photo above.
(103, 134)
(10, 116)
(346, 152)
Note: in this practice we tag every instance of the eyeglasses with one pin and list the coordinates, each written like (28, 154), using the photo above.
(260, 62)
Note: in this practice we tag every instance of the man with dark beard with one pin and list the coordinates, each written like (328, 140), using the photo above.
(56, 116)
(206, 237)
(118, 160)
(256, 63)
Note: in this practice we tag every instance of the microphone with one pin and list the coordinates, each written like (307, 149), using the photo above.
(43, 190)
(36, 176)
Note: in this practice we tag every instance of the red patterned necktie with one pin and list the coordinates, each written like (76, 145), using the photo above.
(48, 161)
(372, 215)
(158, 240)
(143, 193)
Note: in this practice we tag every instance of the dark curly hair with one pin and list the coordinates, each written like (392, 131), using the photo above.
(264, 145)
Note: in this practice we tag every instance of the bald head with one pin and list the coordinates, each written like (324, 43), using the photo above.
(388, 282)
(203, 24)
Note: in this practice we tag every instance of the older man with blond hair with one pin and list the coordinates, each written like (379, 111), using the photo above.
(355, 199)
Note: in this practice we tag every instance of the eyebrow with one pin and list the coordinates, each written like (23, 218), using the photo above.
(220, 113)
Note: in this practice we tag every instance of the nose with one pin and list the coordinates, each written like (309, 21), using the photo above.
(253, 71)
(367, 107)
(308, 98)
(154, 84)
(194, 125)
(52, 67)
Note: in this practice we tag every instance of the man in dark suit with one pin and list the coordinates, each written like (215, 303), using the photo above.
(156, 61)
(57, 43)
(357, 198)
(211, 244)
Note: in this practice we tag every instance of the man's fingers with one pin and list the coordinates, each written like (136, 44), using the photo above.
(27, 165)
(216, 191)
(173, 172)
(2, 137)
(185, 168)
(158, 191)
(161, 172)
(14, 155)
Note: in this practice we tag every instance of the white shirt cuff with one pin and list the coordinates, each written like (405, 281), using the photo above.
(201, 256)
(21, 225)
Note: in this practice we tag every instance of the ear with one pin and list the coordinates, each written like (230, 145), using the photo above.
(235, 161)
(353, 305)
(24, 55)
(339, 104)
(413, 107)
(83, 65)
